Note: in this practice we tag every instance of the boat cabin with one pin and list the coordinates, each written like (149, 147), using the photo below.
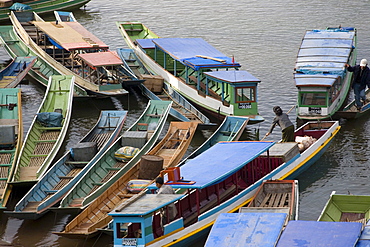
(320, 76)
(201, 191)
(206, 70)
(83, 53)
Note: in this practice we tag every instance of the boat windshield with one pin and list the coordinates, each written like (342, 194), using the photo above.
(313, 99)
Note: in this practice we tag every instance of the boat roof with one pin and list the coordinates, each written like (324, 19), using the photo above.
(320, 233)
(188, 52)
(227, 157)
(70, 35)
(243, 229)
(234, 76)
(324, 52)
(148, 203)
(97, 59)
(319, 80)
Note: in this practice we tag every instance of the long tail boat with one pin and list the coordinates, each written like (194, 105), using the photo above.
(49, 188)
(230, 130)
(73, 50)
(46, 133)
(11, 137)
(171, 148)
(320, 74)
(350, 111)
(40, 6)
(143, 135)
(15, 72)
(204, 192)
(202, 74)
(42, 70)
(181, 109)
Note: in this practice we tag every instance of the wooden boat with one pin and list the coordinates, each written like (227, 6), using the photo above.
(318, 233)
(262, 221)
(73, 50)
(40, 6)
(222, 190)
(320, 73)
(198, 71)
(15, 72)
(350, 110)
(143, 134)
(155, 88)
(11, 132)
(47, 191)
(230, 130)
(44, 139)
(347, 208)
(171, 148)
(64, 16)
(42, 70)
(246, 229)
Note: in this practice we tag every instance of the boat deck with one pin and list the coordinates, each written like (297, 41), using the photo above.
(276, 200)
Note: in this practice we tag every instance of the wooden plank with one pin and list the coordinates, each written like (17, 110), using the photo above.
(265, 200)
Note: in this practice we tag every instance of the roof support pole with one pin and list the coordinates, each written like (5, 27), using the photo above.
(222, 92)
(198, 81)
(174, 67)
(206, 86)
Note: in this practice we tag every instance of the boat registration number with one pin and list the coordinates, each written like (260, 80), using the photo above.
(129, 241)
(315, 110)
(244, 105)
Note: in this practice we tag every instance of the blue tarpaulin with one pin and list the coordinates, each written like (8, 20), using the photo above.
(320, 234)
(246, 229)
(19, 7)
(235, 76)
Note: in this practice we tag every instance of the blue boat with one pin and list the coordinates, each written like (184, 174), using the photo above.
(222, 179)
(15, 72)
(49, 188)
(246, 229)
(320, 76)
(319, 233)
(181, 108)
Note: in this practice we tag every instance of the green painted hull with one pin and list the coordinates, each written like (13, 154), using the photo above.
(107, 170)
(346, 208)
(9, 152)
(42, 143)
(41, 71)
(46, 6)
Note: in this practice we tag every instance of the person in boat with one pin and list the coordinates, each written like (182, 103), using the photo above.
(166, 189)
(361, 79)
(287, 127)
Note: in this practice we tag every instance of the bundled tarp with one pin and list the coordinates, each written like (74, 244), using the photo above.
(50, 119)
(19, 7)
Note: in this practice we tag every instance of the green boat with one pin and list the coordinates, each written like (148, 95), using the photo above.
(47, 131)
(11, 132)
(348, 208)
(41, 70)
(41, 6)
(143, 135)
(73, 50)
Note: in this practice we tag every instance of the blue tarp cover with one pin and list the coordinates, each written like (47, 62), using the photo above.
(246, 229)
(186, 50)
(219, 162)
(235, 76)
(320, 234)
(19, 7)
(324, 51)
(320, 80)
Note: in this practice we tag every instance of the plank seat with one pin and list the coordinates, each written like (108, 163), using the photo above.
(276, 200)
(50, 191)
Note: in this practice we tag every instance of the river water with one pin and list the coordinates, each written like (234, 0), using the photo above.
(264, 37)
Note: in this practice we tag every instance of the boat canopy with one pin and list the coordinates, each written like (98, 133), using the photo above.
(192, 52)
(319, 80)
(234, 76)
(320, 233)
(324, 52)
(98, 59)
(147, 204)
(227, 157)
(237, 229)
(70, 35)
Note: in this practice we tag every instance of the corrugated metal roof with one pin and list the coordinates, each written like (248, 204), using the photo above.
(236, 76)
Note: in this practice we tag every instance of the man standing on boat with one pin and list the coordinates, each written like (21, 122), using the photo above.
(285, 124)
(361, 79)
(166, 189)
